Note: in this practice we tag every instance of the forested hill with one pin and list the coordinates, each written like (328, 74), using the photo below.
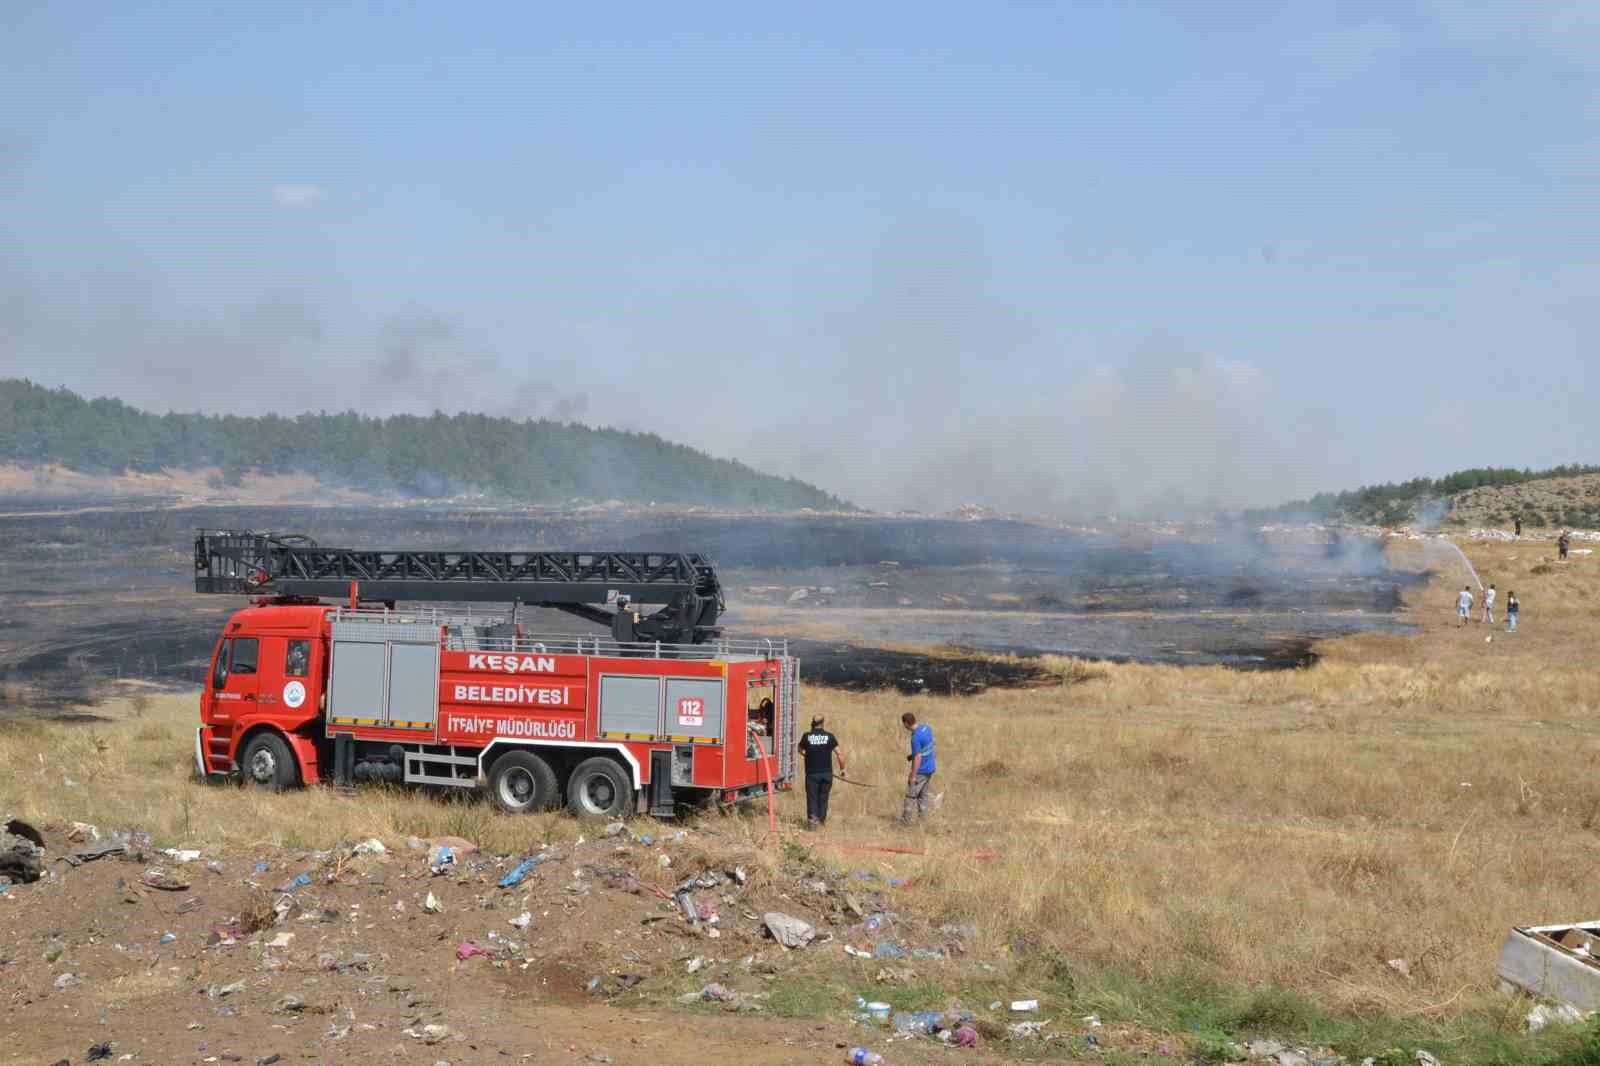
(1433, 498)
(532, 461)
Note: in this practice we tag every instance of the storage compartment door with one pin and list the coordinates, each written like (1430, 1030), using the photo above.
(630, 706)
(413, 685)
(694, 708)
(356, 683)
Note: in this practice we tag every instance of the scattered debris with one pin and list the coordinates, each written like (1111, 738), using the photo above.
(1553, 962)
(95, 851)
(1023, 1006)
(787, 930)
(21, 852)
(522, 869)
(430, 1034)
(521, 921)
(373, 846)
(156, 877)
(1543, 1015)
(917, 1022)
(459, 845)
(432, 904)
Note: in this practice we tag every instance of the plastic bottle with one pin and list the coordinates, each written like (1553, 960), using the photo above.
(860, 1056)
(920, 1022)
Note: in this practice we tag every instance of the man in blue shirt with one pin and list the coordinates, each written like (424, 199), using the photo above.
(919, 769)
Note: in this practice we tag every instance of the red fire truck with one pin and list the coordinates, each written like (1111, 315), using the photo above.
(386, 683)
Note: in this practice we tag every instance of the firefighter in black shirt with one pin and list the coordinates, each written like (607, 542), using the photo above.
(820, 749)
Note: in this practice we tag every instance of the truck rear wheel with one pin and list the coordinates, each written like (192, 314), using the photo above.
(268, 763)
(521, 781)
(599, 788)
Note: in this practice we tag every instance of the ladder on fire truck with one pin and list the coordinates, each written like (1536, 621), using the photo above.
(290, 567)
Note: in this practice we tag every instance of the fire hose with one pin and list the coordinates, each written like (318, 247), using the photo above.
(766, 767)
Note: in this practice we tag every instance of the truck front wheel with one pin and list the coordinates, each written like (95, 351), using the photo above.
(268, 763)
(520, 782)
(599, 788)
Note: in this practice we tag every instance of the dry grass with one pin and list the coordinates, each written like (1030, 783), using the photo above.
(1410, 796)
(137, 772)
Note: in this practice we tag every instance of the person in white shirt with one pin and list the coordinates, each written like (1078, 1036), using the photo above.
(1488, 606)
(1464, 604)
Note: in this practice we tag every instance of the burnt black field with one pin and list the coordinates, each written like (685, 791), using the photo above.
(94, 594)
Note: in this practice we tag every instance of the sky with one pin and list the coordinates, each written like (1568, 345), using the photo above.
(1054, 258)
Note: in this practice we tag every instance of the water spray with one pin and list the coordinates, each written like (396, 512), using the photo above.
(1464, 561)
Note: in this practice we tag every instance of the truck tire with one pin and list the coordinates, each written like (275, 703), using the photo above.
(599, 788)
(521, 781)
(268, 763)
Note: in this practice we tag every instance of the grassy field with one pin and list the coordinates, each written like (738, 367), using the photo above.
(1200, 849)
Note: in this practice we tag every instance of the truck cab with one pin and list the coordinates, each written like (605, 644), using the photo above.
(263, 696)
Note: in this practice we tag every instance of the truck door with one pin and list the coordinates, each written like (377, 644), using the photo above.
(234, 679)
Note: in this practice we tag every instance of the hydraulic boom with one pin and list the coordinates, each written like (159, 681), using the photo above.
(580, 583)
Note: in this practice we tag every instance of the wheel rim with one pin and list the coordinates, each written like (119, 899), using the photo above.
(597, 794)
(516, 787)
(263, 766)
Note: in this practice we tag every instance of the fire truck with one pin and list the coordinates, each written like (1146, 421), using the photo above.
(357, 665)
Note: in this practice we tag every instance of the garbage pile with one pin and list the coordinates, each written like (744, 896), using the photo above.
(278, 954)
(21, 853)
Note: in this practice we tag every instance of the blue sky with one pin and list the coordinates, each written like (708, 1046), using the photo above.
(1040, 256)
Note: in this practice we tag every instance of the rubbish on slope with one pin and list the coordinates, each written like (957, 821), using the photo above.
(1546, 961)
(1542, 1015)
(787, 930)
(95, 851)
(522, 869)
